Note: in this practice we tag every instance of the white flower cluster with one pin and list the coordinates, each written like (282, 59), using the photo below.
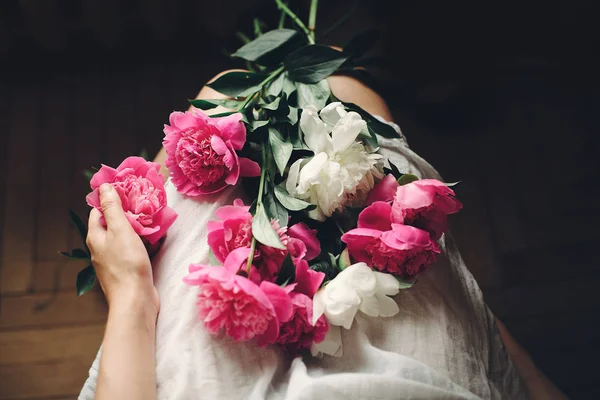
(342, 171)
(356, 288)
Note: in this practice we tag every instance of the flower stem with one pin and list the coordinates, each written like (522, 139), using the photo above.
(339, 226)
(283, 7)
(312, 20)
(281, 20)
(261, 189)
(267, 80)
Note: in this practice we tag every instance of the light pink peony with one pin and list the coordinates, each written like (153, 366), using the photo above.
(425, 204)
(143, 197)
(398, 249)
(234, 230)
(201, 152)
(233, 303)
(298, 334)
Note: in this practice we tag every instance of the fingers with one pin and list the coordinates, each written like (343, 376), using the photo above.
(95, 228)
(111, 207)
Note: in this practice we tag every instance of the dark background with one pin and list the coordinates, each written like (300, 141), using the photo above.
(502, 96)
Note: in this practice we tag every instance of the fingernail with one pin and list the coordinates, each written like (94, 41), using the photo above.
(105, 188)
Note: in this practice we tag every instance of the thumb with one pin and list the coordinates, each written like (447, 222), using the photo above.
(111, 207)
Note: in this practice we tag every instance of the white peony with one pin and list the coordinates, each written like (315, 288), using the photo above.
(342, 171)
(356, 288)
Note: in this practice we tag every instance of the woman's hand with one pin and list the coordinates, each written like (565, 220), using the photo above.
(119, 257)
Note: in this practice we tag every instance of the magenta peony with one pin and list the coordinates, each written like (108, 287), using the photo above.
(234, 230)
(141, 189)
(425, 204)
(201, 152)
(401, 250)
(230, 302)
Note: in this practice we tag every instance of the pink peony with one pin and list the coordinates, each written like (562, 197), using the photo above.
(398, 249)
(234, 230)
(425, 204)
(236, 304)
(383, 190)
(201, 152)
(143, 197)
(299, 333)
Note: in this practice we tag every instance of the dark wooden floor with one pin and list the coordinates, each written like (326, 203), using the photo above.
(524, 146)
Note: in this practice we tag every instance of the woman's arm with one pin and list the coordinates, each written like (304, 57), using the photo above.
(127, 365)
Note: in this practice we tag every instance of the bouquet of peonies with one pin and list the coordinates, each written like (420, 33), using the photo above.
(332, 228)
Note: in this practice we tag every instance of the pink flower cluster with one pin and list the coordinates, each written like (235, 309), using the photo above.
(249, 305)
(201, 152)
(398, 230)
(143, 197)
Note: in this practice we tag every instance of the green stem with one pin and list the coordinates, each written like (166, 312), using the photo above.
(284, 8)
(312, 20)
(268, 79)
(338, 226)
(261, 190)
(281, 20)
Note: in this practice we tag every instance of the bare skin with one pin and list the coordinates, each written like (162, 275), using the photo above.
(127, 366)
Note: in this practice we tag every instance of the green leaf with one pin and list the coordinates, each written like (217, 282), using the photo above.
(329, 270)
(270, 48)
(374, 124)
(344, 261)
(223, 114)
(237, 83)
(276, 86)
(452, 184)
(282, 150)
(288, 85)
(313, 94)
(312, 64)
(263, 231)
(361, 43)
(144, 154)
(287, 273)
(76, 254)
(292, 116)
(404, 284)
(406, 179)
(274, 209)
(85, 280)
(88, 173)
(274, 105)
(80, 226)
(254, 125)
(208, 104)
(291, 203)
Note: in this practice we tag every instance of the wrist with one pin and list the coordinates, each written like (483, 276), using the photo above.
(135, 300)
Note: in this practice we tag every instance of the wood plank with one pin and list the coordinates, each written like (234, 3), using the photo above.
(544, 299)
(121, 111)
(88, 138)
(49, 345)
(53, 192)
(5, 97)
(21, 192)
(60, 275)
(48, 309)
(153, 106)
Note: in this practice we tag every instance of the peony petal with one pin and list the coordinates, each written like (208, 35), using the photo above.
(387, 306)
(358, 240)
(308, 237)
(293, 174)
(384, 190)
(237, 259)
(387, 284)
(184, 121)
(307, 280)
(163, 219)
(315, 132)
(280, 300)
(376, 216)
(248, 168)
(93, 199)
(105, 174)
(331, 345)
(404, 237)
(133, 162)
(346, 131)
(332, 113)
(233, 212)
(312, 169)
(218, 145)
(232, 129)
(318, 305)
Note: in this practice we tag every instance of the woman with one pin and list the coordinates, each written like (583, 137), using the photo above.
(443, 344)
